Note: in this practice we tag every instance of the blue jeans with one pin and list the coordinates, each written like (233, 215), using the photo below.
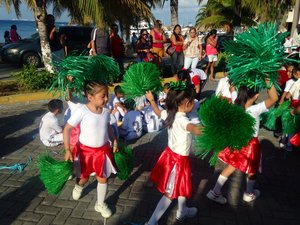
(177, 60)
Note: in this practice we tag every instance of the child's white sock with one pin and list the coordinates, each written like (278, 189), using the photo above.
(101, 192)
(160, 209)
(250, 185)
(219, 184)
(181, 203)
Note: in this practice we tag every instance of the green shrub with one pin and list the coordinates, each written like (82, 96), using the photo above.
(31, 78)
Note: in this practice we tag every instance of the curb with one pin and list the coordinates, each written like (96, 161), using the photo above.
(38, 96)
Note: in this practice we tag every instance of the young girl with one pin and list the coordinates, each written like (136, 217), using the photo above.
(248, 159)
(93, 147)
(172, 172)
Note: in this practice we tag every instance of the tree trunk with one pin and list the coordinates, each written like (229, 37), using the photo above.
(296, 17)
(40, 18)
(174, 12)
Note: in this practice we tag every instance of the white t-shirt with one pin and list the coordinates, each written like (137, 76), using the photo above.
(162, 96)
(179, 139)
(295, 89)
(49, 126)
(152, 122)
(93, 127)
(223, 88)
(255, 111)
(288, 85)
(132, 126)
(198, 72)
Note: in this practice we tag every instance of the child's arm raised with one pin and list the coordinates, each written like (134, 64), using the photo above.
(273, 97)
(66, 138)
(150, 97)
(194, 129)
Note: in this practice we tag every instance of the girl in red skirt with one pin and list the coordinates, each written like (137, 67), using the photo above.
(172, 172)
(93, 148)
(248, 159)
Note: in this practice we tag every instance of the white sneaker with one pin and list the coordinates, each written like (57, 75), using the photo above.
(217, 198)
(187, 213)
(103, 209)
(93, 174)
(249, 197)
(281, 145)
(76, 194)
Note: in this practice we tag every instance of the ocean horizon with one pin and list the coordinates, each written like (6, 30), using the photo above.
(25, 27)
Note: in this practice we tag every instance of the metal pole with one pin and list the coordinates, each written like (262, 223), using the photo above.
(296, 17)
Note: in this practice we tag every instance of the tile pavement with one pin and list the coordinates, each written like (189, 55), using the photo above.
(24, 201)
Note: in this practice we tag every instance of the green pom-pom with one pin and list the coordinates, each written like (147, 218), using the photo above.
(141, 77)
(290, 123)
(81, 69)
(224, 125)
(124, 160)
(54, 174)
(271, 119)
(256, 55)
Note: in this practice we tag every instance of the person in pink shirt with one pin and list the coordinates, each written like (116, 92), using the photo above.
(14, 36)
(211, 52)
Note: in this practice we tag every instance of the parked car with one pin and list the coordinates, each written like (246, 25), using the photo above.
(28, 51)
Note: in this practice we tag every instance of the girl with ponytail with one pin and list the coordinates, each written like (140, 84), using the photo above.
(172, 172)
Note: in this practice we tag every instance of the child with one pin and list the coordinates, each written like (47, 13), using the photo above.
(50, 130)
(172, 172)
(163, 95)
(289, 83)
(248, 159)
(152, 122)
(93, 147)
(294, 92)
(132, 126)
(225, 89)
(118, 103)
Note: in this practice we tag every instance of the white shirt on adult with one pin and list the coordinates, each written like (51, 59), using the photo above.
(93, 126)
(179, 139)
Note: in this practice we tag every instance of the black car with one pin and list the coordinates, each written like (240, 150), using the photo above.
(28, 51)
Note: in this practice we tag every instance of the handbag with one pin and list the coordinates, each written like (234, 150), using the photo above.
(171, 49)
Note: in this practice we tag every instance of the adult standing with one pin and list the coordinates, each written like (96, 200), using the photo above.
(14, 36)
(134, 40)
(192, 49)
(117, 47)
(158, 40)
(143, 46)
(100, 41)
(211, 52)
(177, 58)
(55, 40)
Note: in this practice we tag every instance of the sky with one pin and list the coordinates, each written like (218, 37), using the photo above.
(187, 13)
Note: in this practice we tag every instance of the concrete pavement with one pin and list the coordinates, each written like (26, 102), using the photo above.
(24, 201)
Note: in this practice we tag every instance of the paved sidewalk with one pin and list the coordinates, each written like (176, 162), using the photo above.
(23, 199)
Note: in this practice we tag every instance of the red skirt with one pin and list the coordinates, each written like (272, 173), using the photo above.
(163, 168)
(247, 160)
(295, 103)
(93, 159)
(295, 140)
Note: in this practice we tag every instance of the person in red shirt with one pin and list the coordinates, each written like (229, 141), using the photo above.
(117, 47)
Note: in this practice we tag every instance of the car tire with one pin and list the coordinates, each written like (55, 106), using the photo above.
(31, 59)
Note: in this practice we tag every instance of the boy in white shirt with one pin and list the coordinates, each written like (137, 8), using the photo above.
(163, 95)
(50, 131)
(152, 122)
(118, 103)
(132, 126)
